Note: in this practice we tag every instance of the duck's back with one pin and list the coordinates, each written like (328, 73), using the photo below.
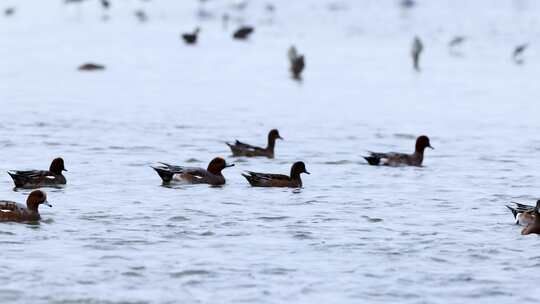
(36, 178)
(270, 180)
(14, 212)
(242, 149)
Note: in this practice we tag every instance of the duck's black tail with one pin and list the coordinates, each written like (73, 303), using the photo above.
(514, 211)
(250, 178)
(165, 174)
(18, 179)
(373, 160)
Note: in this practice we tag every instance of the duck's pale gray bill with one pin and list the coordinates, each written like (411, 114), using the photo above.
(229, 165)
(431, 147)
(47, 203)
(306, 172)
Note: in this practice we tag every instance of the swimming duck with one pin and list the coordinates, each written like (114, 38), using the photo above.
(297, 63)
(523, 214)
(14, 212)
(277, 180)
(243, 32)
(401, 159)
(191, 38)
(242, 149)
(534, 226)
(416, 51)
(212, 175)
(40, 178)
(91, 67)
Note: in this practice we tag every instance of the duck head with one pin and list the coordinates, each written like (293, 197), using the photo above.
(422, 143)
(218, 164)
(273, 135)
(36, 198)
(297, 169)
(57, 166)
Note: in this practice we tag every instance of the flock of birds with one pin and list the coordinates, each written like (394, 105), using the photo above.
(526, 215)
(296, 61)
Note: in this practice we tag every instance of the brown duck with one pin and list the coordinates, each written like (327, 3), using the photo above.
(14, 212)
(40, 178)
(242, 149)
(212, 175)
(401, 159)
(534, 226)
(278, 180)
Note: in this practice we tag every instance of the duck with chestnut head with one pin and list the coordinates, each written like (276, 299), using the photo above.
(401, 159)
(14, 212)
(242, 149)
(192, 175)
(32, 179)
(257, 179)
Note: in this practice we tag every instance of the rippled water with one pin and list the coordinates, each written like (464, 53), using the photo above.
(354, 233)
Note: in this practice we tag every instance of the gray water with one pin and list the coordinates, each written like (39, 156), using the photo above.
(354, 233)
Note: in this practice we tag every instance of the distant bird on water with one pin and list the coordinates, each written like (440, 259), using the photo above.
(454, 43)
(243, 32)
(141, 16)
(191, 38)
(105, 4)
(457, 40)
(416, 51)
(517, 55)
(406, 4)
(297, 63)
(91, 67)
(10, 11)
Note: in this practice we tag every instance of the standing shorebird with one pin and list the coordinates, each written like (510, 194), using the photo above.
(416, 51)
(191, 38)
(517, 55)
(297, 63)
